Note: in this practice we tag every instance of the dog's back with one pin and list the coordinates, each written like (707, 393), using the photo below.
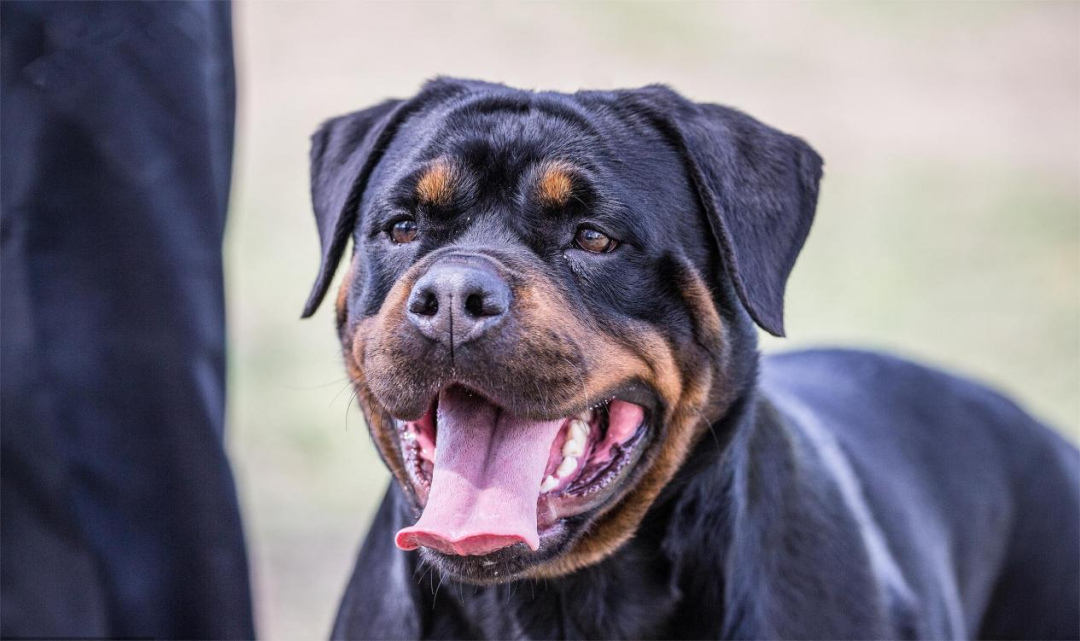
(969, 506)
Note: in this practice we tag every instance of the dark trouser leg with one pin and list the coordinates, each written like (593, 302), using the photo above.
(119, 514)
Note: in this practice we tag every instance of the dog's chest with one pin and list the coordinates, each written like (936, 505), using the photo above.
(630, 596)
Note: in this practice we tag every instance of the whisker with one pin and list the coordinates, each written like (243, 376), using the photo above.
(712, 430)
(347, 407)
(581, 377)
(347, 385)
(435, 597)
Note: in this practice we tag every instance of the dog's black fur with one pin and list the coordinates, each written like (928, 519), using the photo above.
(835, 494)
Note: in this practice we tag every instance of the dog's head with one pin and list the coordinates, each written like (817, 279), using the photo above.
(549, 299)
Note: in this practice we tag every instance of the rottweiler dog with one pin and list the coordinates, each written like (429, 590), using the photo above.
(550, 320)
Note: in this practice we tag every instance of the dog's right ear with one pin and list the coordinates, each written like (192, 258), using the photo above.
(343, 153)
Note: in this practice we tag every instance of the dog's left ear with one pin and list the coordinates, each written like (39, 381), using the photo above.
(758, 187)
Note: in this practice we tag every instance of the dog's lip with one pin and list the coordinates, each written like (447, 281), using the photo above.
(632, 392)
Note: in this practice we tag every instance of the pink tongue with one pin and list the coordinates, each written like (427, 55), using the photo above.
(486, 481)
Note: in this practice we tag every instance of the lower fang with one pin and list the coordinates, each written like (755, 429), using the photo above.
(549, 484)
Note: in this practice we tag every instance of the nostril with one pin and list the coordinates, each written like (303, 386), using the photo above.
(431, 304)
(474, 305)
(486, 303)
(425, 304)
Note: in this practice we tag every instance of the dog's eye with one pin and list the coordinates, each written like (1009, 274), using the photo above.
(594, 241)
(403, 231)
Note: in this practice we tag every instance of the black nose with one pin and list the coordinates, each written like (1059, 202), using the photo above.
(458, 300)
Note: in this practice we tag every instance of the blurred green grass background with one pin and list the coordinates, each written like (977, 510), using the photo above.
(948, 226)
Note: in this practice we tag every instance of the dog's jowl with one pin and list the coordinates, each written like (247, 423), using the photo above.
(550, 316)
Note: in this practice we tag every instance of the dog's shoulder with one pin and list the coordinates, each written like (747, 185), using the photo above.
(906, 443)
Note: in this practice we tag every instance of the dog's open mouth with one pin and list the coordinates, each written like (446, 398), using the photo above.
(488, 480)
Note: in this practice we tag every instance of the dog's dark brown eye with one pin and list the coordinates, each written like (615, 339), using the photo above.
(593, 241)
(403, 231)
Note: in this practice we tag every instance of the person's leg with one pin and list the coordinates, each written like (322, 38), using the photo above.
(119, 511)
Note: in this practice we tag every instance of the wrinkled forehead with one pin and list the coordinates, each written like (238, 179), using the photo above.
(519, 146)
(514, 131)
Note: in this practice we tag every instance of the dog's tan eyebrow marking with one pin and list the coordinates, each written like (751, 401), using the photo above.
(436, 185)
(555, 184)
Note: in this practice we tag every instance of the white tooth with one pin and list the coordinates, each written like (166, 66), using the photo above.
(587, 416)
(568, 465)
(573, 447)
(549, 484)
(579, 431)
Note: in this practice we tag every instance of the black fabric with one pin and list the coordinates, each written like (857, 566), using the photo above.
(119, 513)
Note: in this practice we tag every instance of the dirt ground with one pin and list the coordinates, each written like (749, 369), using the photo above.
(948, 227)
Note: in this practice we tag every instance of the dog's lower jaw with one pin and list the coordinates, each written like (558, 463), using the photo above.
(611, 528)
(618, 522)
